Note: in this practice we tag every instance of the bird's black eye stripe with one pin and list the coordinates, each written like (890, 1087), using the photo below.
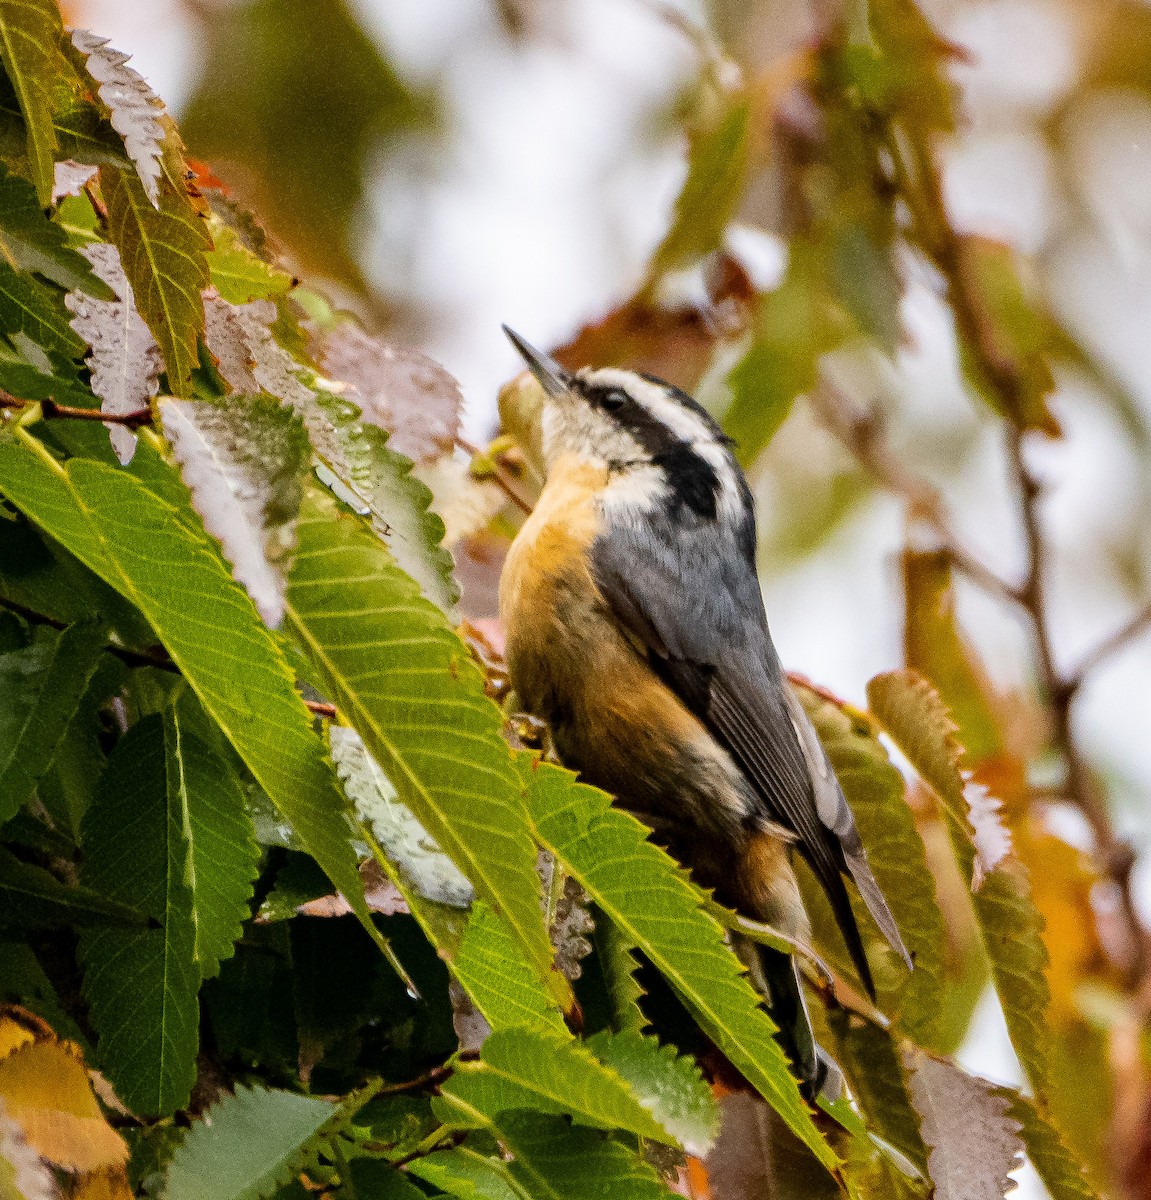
(612, 399)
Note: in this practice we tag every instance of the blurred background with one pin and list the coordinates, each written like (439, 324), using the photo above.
(442, 166)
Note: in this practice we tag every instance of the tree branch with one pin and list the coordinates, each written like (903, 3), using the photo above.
(50, 410)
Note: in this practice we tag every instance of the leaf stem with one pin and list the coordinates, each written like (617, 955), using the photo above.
(50, 410)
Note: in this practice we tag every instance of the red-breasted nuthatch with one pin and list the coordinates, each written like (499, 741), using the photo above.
(636, 630)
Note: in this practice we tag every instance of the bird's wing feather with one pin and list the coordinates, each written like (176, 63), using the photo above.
(718, 658)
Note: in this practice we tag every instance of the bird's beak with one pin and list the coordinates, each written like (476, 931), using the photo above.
(553, 378)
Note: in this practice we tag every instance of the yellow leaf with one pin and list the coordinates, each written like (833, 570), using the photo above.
(45, 1089)
(111, 1184)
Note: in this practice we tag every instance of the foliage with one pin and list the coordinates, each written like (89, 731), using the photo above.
(274, 863)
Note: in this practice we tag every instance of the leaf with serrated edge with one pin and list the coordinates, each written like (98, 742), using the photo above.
(30, 241)
(43, 686)
(223, 858)
(135, 109)
(491, 970)
(162, 250)
(557, 1161)
(408, 845)
(973, 1143)
(408, 686)
(548, 1072)
(464, 1173)
(140, 544)
(243, 461)
(247, 1145)
(870, 1059)
(669, 1085)
(36, 311)
(361, 468)
(397, 388)
(238, 274)
(124, 358)
(141, 986)
(656, 908)
(44, 1087)
(30, 33)
(875, 791)
(1054, 1164)
(31, 897)
(618, 964)
(1010, 926)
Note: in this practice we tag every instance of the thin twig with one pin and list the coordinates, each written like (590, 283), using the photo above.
(50, 410)
(497, 476)
(1127, 633)
(921, 185)
(860, 433)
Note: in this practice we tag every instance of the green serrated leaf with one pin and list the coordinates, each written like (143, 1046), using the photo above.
(875, 791)
(142, 986)
(163, 255)
(29, 241)
(247, 1145)
(413, 853)
(357, 462)
(656, 908)
(41, 687)
(619, 965)
(409, 687)
(373, 1179)
(223, 857)
(490, 968)
(32, 898)
(717, 164)
(1062, 1176)
(467, 1174)
(35, 310)
(669, 1085)
(141, 545)
(243, 461)
(534, 1069)
(30, 32)
(1010, 926)
(239, 275)
(870, 1059)
(795, 325)
(557, 1161)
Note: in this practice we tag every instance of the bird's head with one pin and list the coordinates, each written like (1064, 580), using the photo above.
(636, 425)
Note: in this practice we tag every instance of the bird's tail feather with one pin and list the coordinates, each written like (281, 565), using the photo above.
(777, 979)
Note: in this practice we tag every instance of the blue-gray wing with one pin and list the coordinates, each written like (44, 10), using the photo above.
(694, 604)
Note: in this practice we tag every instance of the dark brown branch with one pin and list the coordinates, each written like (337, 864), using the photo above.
(921, 186)
(50, 410)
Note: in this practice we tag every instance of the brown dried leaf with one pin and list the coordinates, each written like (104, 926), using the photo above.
(675, 341)
(124, 358)
(398, 389)
(973, 1143)
(136, 111)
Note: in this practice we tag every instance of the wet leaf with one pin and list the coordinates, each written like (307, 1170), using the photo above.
(974, 1143)
(123, 357)
(136, 111)
(243, 461)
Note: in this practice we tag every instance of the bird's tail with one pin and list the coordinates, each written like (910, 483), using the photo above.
(776, 978)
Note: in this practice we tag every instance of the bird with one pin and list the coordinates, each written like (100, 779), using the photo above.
(636, 631)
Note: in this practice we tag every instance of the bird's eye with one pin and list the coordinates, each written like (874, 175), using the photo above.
(613, 399)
